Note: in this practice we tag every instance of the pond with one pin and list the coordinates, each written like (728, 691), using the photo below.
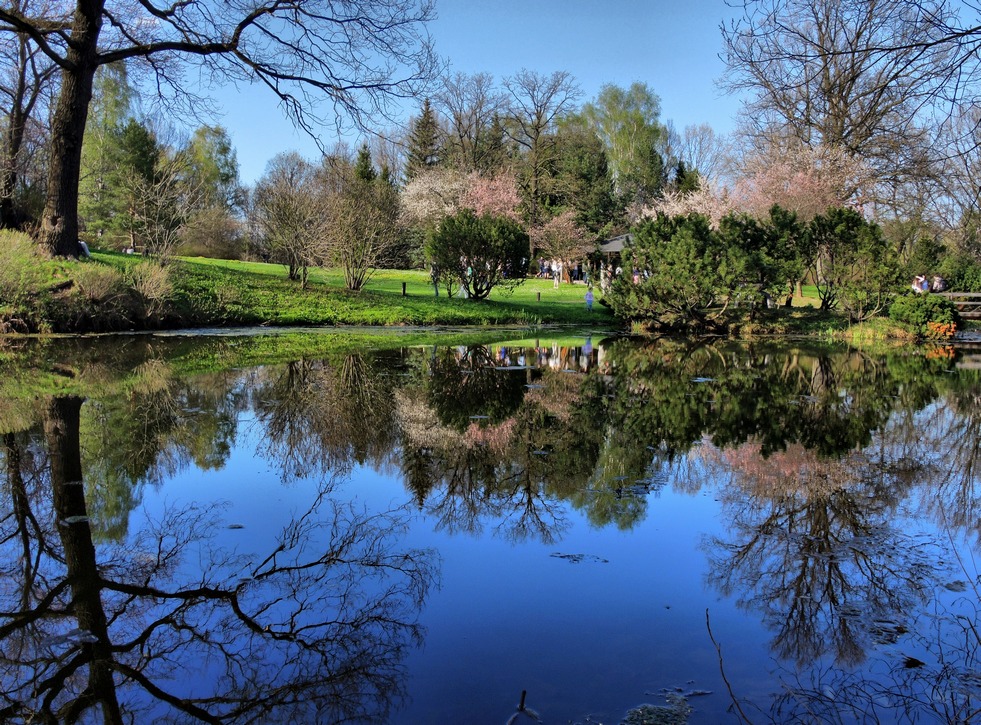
(341, 529)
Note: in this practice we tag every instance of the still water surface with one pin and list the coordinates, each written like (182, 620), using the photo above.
(725, 533)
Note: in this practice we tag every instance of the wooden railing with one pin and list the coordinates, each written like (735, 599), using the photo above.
(968, 304)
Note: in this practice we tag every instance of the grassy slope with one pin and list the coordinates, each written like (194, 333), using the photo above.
(212, 291)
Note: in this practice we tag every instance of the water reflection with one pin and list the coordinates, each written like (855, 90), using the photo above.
(819, 457)
(813, 548)
(320, 418)
(111, 631)
(483, 439)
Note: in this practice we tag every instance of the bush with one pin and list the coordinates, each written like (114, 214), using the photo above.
(675, 270)
(153, 286)
(213, 232)
(854, 266)
(926, 315)
(100, 283)
(479, 253)
(99, 300)
(962, 271)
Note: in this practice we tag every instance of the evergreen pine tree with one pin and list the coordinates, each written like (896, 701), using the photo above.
(423, 143)
(686, 180)
(493, 149)
(386, 175)
(363, 168)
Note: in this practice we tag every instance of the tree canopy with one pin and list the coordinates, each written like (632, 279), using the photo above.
(628, 123)
(858, 77)
(326, 63)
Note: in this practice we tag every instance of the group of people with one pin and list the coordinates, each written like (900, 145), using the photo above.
(555, 268)
(922, 284)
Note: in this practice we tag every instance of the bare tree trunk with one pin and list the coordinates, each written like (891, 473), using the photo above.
(12, 142)
(59, 223)
(8, 169)
(24, 92)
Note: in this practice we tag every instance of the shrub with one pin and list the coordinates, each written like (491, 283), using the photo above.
(675, 270)
(99, 283)
(153, 285)
(98, 300)
(962, 271)
(854, 266)
(479, 253)
(926, 315)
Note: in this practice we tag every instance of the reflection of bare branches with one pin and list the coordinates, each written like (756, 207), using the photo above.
(323, 417)
(944, 689)
(461, 501)
(22, 529)
(813, 551)
(315, 630)
(939, 684)
(529, 514)
(954, 432)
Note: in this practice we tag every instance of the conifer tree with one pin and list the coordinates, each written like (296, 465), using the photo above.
(423, 143)
(494, 151)
(363, 168)
(685, 180)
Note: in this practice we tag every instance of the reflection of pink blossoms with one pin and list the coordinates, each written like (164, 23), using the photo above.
(497, 437)
(796, 471)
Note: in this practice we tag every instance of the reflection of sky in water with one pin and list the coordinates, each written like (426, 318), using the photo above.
(593, 637)
(581, 638)
(620, 614)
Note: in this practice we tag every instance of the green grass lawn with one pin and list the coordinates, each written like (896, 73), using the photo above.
(215, 291)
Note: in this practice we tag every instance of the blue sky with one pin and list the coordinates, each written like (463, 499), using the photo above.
(671, 46)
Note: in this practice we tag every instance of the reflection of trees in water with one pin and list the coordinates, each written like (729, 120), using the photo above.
(159, 426)
(816, 554)
(322, 417)
(481, 443)
(606, 443)
(817, 545)
(672, 395)
(479, 475)
(817, 449)
(466, 382)
(314, 631)
(946, 455)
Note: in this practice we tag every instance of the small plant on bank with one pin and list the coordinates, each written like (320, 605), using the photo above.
(153, 286)
(926, 316)
(99, 299)
(941, 330)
